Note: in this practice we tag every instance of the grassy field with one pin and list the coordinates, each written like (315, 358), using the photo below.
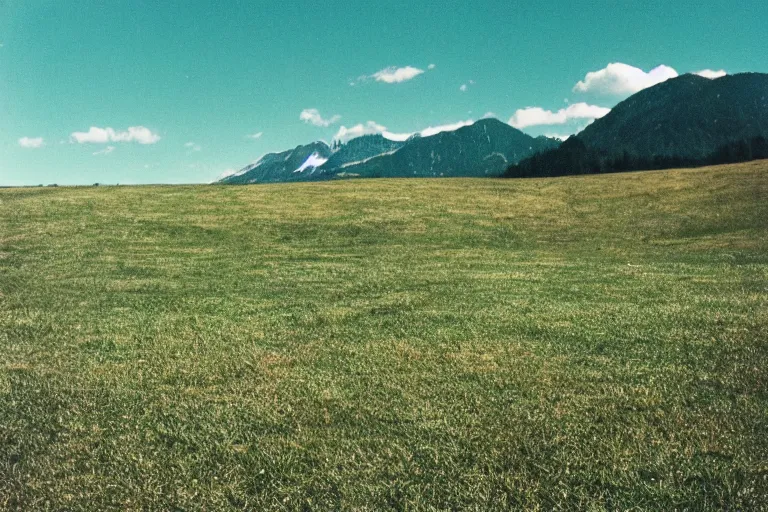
(583, 343)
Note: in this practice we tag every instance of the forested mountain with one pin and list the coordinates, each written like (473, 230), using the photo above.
(575, 157)
(685, 121)
(687, 117)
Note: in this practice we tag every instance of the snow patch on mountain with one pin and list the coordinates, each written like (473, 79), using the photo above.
(314, 160)
(350, 164)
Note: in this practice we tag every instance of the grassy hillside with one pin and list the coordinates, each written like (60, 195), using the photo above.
(584, 343)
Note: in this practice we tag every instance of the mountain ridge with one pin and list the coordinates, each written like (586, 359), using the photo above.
(688, 117)
(687, 121)
(484, 148)
(289, 165)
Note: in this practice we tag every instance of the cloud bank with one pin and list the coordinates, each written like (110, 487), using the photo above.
(96, 135)
(312, 116)
(618, 79)
(434, 130)
(537, 116)
(371, 127)
(31, 142)
(226, 173)
(708, 73)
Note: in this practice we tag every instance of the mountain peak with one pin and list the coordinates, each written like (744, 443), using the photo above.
(289, 165)
(489, 121)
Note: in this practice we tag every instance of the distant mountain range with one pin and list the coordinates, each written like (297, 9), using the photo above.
(688, 120)
(485, 148)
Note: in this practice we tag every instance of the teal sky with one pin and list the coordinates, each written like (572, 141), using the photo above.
(201, 77)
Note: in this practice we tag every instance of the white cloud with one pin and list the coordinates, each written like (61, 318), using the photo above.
(96, 135)
(433, 130)
(371, 127)
(622, 79)
(536, 116)
(138, 134)
(393, 75)
(708, 73)
(192, 146)
(312, 116)
(488, 115)
(255, 136)
(31, 142)
(464, 87)
(105, 151)
(226, 173)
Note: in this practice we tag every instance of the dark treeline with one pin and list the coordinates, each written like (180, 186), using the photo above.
(574, 157)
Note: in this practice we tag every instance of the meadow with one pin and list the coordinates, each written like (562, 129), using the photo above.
(580, 343)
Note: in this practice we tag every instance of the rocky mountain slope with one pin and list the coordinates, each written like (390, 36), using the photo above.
(292, 165)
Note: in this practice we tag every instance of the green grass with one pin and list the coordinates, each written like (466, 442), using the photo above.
(581, 343)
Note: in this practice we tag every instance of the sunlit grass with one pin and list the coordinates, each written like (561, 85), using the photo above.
(582, 343)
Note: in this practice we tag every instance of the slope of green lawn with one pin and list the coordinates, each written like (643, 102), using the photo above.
(585, 343)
